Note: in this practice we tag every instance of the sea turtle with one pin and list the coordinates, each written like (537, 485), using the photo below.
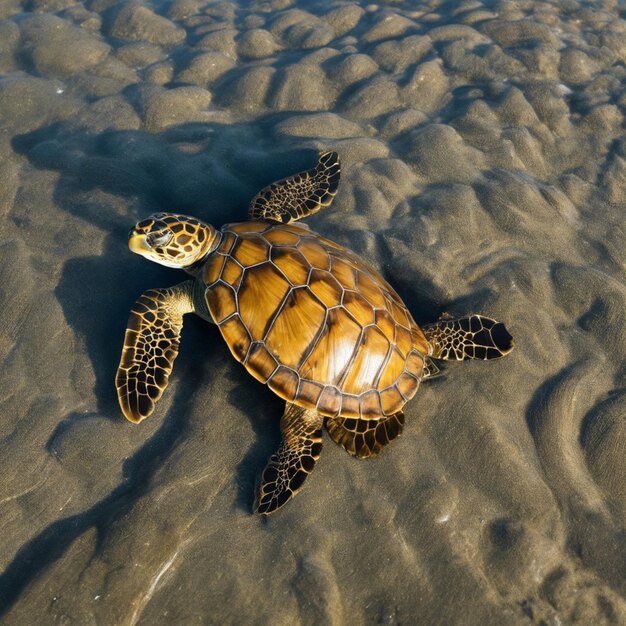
(303, 315)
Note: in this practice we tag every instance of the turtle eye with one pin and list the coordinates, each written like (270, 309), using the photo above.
(160, 239)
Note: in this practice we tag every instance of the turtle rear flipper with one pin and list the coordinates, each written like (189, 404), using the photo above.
(150, 348)
(299, 195)
(288, 468)
(364, 438)
(474, 337)
(430, 369)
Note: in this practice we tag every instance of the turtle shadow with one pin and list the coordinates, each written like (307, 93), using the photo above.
(264, 410)
(113, 178)
(209, 170)
(96, 294)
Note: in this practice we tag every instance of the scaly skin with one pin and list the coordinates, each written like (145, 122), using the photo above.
(475, 337)
(288, 468)
(151, 347)
(300, 195)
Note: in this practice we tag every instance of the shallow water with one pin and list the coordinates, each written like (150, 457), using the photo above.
(484, 170)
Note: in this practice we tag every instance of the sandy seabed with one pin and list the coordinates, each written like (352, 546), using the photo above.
(484, 170)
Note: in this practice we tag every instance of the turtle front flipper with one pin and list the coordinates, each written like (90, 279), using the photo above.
(299, 195)
(295, 459)
(365, 438)
(150, 348)
(474, 337)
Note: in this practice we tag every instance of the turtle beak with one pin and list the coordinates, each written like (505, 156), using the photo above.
(138, 243)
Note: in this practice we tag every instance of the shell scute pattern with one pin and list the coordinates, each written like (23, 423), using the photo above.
(260, 297)
(312, 321)
(249, 251)
(232, 273)
(281, 238)
(261, 363)
(292, 264)
(222, 301)
(294, 329)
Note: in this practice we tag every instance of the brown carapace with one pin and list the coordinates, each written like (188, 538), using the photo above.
(311, 320)
(304, 315)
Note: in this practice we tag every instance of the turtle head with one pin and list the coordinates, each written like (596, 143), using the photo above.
(173, 240)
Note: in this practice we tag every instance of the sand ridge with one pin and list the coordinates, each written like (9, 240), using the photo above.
(484, 170)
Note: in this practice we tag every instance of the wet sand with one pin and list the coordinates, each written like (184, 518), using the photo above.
(484, 171)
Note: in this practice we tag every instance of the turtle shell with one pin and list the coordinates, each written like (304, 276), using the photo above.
(310, 319)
